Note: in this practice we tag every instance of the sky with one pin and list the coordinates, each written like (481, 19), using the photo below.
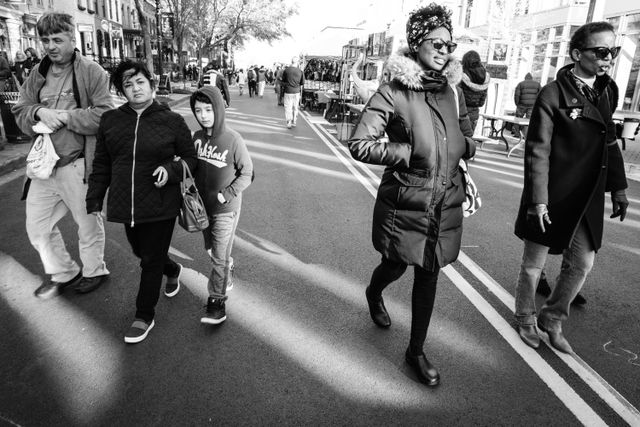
(313, 16)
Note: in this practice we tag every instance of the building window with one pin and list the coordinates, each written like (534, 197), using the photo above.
(82, 4)
(104, 8)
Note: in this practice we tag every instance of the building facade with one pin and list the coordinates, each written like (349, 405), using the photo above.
(107, 31)
(520, 36)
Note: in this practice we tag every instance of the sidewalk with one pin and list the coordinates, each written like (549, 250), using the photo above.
(14, 155)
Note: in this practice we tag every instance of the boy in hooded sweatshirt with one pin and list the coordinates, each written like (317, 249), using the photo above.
(223, 171)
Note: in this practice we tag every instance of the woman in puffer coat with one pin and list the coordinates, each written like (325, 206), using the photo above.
(136, 147)
(417, 218)
(474, 85)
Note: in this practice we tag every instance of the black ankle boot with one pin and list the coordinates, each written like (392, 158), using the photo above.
(425, 371)
(377, 310)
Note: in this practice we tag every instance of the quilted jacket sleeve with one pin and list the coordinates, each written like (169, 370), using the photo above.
(365, 144)
(184, 148)
(100, 177)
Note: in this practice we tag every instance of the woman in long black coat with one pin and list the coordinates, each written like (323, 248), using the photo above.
(417, 217)
(571, 159)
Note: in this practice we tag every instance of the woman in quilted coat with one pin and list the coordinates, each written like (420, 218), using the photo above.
(136, 147)
(417, 218)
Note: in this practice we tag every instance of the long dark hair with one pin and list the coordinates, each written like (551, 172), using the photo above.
(472, 67)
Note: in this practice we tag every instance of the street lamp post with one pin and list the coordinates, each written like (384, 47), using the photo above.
(159, 37)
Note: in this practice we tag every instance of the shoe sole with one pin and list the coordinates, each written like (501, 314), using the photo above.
(135, 340)
(210, 321)
(174, 293)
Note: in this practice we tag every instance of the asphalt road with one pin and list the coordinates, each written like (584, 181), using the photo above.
(298, 346)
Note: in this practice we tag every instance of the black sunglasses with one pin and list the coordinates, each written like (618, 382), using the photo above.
(603, 52)
(438, 44)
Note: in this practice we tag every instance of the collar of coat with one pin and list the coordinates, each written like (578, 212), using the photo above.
(475, 86)
(572, 97)
(402, 68)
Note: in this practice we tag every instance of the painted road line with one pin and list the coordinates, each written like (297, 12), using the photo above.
(349, 165)
(472, 165)
(570, 399)
(599, 385)
(347, 154)
(580, 409)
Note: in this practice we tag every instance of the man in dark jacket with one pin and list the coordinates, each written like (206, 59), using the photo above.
(213, 77)
(571, 159)
(524, 97)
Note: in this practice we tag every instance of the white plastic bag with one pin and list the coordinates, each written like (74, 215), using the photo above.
(42, 158)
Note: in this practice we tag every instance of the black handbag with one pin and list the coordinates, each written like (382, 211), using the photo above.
(193, 216)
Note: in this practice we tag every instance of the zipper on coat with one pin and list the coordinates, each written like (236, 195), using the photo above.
(133, 168)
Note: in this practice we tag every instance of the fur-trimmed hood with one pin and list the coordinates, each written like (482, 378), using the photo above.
(474, 86)
(402, 68)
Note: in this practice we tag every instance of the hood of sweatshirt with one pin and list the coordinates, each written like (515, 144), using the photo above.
(215, 96)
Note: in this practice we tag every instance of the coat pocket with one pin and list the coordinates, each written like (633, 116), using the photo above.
(414, 191)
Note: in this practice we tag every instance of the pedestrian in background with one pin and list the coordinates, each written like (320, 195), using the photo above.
(224, 171)
(261, 78)
(474, 85)
(18, 67)
(5, 73)
(213, 77)
(278, 85)
(137, 144)
(417, 217)
(32, 59)
(68, 93)
(242, 81)
(572, 158)
(525, 96)
(251, 77)
(292, 82)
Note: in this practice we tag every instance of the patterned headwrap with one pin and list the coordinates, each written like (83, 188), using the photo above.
(422, 21)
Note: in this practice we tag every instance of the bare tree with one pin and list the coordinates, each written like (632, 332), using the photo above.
(146, 35)
(233, 21)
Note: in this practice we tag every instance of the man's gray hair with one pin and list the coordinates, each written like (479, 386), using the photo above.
(54, 23)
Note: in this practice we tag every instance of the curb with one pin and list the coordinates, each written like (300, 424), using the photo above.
(13, 164)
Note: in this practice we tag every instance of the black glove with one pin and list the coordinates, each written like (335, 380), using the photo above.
(620, 204)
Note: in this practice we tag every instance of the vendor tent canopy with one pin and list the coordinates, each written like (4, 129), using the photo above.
(329, 41)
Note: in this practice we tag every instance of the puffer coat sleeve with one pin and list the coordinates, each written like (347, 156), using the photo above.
(369, 148)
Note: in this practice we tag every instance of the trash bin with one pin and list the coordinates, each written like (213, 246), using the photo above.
(12, 131)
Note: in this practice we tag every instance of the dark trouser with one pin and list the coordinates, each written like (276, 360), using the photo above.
(253, 87)
(522, 111)
(150, 242)
(422, 298)
(473, 117)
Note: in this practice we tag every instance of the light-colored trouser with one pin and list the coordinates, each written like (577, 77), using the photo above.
(261, 87)
(221, 234)
(48, 201)
(577, 261)
(291, 104)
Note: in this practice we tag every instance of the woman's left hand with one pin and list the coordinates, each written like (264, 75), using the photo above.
(162, 176)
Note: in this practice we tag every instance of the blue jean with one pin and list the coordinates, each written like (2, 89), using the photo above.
(218, 239)
(577, 261)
